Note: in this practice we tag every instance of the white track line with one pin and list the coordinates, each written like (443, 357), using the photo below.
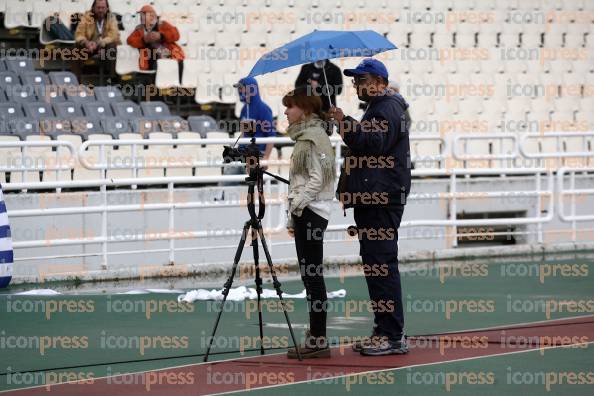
(271, 354)
(400, 368)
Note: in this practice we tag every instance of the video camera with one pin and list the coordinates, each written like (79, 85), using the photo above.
(241, 153)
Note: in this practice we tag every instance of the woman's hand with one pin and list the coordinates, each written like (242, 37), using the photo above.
(336, 113)
(291, 232)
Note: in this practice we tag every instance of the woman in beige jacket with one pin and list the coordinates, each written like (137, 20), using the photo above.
(311, 191)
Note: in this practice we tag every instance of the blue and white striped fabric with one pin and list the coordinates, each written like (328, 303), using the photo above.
(6, 255)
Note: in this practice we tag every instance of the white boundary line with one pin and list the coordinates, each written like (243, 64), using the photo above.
(282, 353)
(510, 326)
(401, 368)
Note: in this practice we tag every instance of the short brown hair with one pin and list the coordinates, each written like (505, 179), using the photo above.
(306, 99)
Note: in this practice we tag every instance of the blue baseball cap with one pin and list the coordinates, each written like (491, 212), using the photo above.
(368, 65)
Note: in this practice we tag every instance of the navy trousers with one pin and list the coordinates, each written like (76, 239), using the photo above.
(378, 238)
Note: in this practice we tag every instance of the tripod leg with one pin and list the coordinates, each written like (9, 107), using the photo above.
(246, 229)
(258, 280)
(277, 286)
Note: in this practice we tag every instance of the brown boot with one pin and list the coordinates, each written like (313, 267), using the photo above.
(313, 347)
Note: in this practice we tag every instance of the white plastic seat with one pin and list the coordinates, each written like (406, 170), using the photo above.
(510, 40)
(553, 39)
(192, 69)
(127, 59)
(9, 156)
(33, 157)
(422, 151)
(212, 154)
(487, 40)
(125, 155)
(207, 90)
(185, 154)
(155, 156)
(17, 15)
(442, 40)
(420, 40)
(167, 73)
(41, 10)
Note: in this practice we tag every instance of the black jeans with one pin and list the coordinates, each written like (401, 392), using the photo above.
(309, 242)
(378, 239)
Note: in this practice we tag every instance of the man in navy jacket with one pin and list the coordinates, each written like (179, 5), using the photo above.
(376, 181)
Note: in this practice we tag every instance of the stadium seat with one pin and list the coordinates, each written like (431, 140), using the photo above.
(115, 126)
(41, 10)
(126, 109)
(50, 93)
(24, 127)
(154, 109)
(9, 155)
(18, 64)
(80, 94)
(167, 73)
(97, 109)
(67, 109)
(38, 110)
(192, 68)
(8, 78)
(144, 126)
(108, 94)
(63, 78)
(86, 126)
(155, 156)
(186, 154)
(21, 93)
(33, 78)
(54, 126)
(207, 90)
(203, 124)
(10, 111)
(553, 38)
(17, 15)
(33, 157)
(127, 59)
(124, 155)
(173, 125)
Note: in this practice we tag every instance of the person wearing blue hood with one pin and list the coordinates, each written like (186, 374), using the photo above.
(255, 111)
(376, 181)
(256, 115)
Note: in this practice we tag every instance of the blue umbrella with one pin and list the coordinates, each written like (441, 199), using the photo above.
(321, 45)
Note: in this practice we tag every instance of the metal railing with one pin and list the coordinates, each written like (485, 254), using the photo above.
(451, 198)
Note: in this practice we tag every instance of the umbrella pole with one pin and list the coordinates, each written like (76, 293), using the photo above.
(326, 84)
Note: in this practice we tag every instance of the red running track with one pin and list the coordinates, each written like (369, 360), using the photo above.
(261, 371)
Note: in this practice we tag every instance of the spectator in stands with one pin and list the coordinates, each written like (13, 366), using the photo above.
(56, 30)
(98, 30)
(312, 74)
(155, 39)
(381, 135)
(311, 191)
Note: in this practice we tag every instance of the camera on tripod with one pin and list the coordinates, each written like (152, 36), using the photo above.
(243, 152)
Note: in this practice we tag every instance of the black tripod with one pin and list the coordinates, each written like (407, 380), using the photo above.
(254, 224)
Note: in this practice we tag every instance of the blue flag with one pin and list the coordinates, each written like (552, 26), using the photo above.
(6, 254)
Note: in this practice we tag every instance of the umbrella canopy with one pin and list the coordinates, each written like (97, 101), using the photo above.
(321, 45)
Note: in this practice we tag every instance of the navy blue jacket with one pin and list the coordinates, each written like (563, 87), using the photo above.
(377, 166)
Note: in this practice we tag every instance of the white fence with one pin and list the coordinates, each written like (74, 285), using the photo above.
(547, 194)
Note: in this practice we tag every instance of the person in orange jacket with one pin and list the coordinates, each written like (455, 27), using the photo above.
(155, 39)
